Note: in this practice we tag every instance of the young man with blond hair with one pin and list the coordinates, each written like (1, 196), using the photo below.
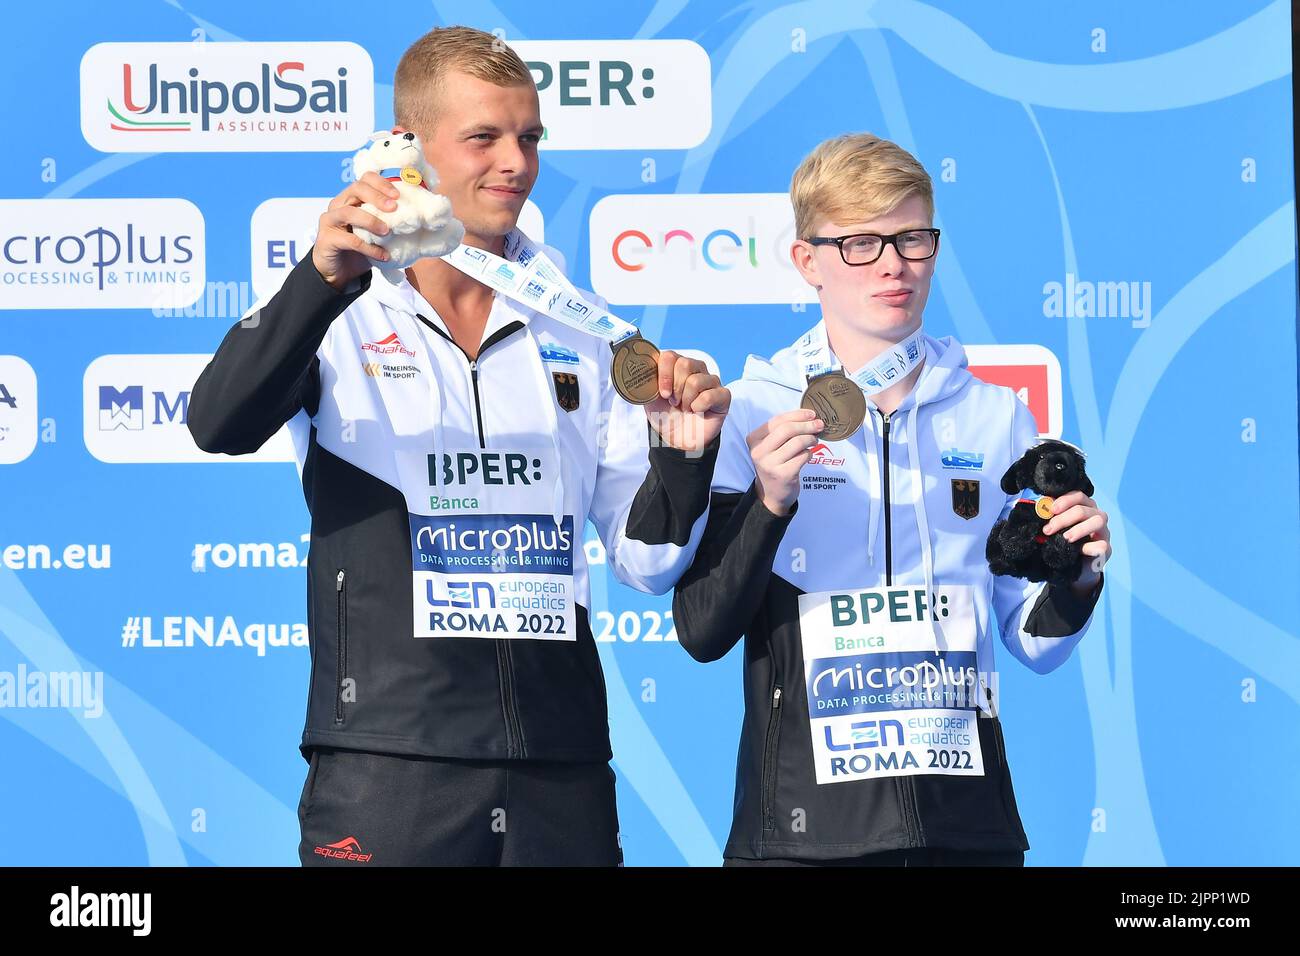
(454, 443)
(846, 544)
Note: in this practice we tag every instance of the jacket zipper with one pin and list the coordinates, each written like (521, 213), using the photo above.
(493, 339)
(889, 564)
(478, 405)
(1012, 815)
(769, 760)
(906, 786)
(997, 728)
(514, 729)
(341, 643)
(505, 657)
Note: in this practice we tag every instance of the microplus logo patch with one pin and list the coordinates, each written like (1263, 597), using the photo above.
(212, 96)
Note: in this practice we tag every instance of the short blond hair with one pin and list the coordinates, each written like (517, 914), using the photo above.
(419, 80)
(855, 178)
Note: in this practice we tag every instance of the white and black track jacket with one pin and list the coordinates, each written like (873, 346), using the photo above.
(878, 509)
(350, 372)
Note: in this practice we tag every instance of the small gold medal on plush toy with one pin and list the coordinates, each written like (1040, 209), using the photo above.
(411, 175)
(1044, 507)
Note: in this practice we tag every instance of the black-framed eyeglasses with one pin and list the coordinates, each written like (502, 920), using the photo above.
(864, 248)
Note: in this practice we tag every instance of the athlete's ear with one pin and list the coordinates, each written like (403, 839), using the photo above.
(801, 255)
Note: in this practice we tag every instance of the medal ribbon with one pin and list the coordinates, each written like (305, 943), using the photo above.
(888, 368)
(535, 282)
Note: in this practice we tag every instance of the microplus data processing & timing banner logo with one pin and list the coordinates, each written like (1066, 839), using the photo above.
(100, 253)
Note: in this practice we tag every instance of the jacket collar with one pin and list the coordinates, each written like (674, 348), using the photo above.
(393, 289)
(944, 373)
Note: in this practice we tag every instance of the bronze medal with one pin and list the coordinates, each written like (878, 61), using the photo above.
(635, 370)
(838, 402)
(1043, 507)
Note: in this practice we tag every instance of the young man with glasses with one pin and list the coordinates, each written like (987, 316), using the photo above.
(846, 543)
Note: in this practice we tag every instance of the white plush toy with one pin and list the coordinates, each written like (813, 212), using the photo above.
(422, 224)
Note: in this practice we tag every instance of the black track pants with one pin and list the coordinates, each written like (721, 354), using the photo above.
(369, 809)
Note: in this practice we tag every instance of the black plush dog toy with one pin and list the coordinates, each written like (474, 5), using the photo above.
(1017, 546)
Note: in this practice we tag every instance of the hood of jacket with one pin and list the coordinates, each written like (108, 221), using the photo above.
(944, 374)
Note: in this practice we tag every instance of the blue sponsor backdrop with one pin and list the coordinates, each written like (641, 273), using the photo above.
(1159, 151)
